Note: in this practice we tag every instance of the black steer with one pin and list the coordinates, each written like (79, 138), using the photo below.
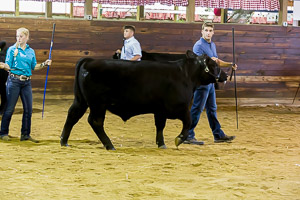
(173, 57)
(3, 76)
(128, 88)
(165, 57)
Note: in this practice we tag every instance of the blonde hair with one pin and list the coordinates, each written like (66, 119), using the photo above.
(25, 31)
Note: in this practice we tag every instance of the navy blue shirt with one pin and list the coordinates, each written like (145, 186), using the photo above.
(203, 47)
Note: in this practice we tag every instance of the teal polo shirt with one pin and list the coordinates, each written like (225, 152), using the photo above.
(23, 63)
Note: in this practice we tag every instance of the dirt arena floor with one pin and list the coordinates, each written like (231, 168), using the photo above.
(262, 163)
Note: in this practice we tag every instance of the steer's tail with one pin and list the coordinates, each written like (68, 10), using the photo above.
(77, 89)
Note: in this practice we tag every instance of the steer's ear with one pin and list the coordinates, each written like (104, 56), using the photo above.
(190, 54)
(2, 44)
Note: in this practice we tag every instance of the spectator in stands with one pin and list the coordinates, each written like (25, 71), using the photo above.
(132, 48)
(205, 95)
(3, 76)
(20, 61)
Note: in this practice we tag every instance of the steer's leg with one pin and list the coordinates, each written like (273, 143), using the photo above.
(76, 111)
(96, 120)
(186, 121)
(160, 123)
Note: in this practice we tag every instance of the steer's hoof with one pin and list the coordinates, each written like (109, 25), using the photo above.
(162, 147)
(110, 148)
(178, 141)
(64, 144)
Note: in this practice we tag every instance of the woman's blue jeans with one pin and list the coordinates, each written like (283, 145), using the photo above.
(205, 97)
(14, 89)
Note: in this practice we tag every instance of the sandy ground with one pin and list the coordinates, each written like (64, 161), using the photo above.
(262, 163)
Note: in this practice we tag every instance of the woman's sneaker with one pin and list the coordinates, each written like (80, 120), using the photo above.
(4, 137)
(28, 137)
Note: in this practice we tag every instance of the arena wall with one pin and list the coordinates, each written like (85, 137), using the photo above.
(268, 56)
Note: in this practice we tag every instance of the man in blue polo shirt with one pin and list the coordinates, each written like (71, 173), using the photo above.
(205, 96)
(132, 48)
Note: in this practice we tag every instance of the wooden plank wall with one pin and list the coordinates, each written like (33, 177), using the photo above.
(268, 56)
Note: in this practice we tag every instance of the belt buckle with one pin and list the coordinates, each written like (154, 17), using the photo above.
(23, 78)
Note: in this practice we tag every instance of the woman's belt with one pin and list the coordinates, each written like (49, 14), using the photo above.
(20, 77)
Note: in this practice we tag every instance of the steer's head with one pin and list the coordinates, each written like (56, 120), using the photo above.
(206, 70)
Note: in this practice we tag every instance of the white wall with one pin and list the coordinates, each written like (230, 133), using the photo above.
(297, 10)
(33, 6)
(7, 5)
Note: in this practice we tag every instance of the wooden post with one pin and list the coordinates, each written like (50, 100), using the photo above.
(140, 13)
(99, 15)
(176, 15)
(223, 15)
(88, 9)
(283, 12)
(48, 10)
(17, 8)
(190, 11)
(71, 10)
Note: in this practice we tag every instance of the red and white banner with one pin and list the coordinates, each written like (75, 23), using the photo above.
(124, 2)
(145, 2)
(240, 4)
(229, 4)
(270, 5)
(61, 1)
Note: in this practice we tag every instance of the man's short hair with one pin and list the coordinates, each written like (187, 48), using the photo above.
(207, 24)
(131, 27)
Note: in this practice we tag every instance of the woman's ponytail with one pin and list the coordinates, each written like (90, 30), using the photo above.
(16, 51)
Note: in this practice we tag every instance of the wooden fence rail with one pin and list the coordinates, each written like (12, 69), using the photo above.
(268, 56)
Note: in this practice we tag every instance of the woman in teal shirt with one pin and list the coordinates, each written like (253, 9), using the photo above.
(20, 61)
